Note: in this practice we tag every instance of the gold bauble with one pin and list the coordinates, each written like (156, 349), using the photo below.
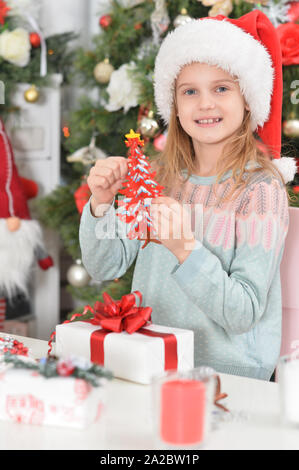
(13, 223)
(102, 71)
(31, 95)
(291, 128)
(148, 125)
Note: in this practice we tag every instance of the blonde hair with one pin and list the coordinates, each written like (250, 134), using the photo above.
(244, 147)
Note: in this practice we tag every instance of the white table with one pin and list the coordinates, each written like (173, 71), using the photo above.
(127, 421)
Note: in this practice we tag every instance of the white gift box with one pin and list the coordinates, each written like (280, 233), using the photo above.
(27, 397)
(134, 357)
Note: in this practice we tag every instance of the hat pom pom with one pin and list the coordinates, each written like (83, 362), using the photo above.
(287, 167)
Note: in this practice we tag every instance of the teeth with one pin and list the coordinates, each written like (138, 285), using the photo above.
(208, 121)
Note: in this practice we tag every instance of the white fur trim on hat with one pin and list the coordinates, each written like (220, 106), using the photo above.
(287, 167)
(220, 43)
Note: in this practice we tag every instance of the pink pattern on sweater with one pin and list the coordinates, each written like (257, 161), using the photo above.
(259, 215)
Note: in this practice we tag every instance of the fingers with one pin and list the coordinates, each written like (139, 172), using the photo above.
(107, 172)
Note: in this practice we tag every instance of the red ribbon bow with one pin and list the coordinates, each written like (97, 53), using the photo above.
(115, 315)
(121, 315)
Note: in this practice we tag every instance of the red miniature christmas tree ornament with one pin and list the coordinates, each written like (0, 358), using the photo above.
(139, 189)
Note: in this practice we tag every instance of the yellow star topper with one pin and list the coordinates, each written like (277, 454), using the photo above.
(134, 135)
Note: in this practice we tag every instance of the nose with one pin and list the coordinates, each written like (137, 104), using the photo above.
(205, 101)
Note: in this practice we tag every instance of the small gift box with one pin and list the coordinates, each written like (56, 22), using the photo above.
(68, 392)
(120, 336)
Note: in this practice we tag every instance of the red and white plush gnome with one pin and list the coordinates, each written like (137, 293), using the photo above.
(21, 240)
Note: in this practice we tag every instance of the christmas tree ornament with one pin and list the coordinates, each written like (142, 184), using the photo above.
(81, 196)
(87, 155)
(291, 128)
(148, 125)
(139, 189)
(159, 20)
(21, 239)
(32, 94)
(160, 141)
(102, 71)
(35, 40)
(105, 21)
(181, 19)
(77, 275)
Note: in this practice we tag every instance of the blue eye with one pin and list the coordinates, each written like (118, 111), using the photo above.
(186, 91)
(222, 87)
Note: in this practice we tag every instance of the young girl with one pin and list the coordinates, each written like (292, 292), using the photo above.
(214, 79)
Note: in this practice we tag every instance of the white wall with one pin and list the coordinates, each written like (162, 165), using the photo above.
(80, 16)
(59, 16)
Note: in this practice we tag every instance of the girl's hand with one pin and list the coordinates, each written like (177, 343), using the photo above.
(172, 222)
(105, 179)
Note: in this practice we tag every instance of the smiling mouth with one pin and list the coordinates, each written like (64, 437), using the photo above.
(209, 123)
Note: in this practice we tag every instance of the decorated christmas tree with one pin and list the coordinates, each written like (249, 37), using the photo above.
(138, 191)
(120, 67)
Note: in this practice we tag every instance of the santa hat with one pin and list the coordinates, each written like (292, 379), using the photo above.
(247, 47)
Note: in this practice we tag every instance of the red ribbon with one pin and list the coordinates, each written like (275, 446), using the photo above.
(97, 354)
(122, 315)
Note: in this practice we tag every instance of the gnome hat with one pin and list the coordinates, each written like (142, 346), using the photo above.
(247, 47)
(13, 200)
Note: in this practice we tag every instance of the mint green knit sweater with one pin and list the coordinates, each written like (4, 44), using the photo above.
(227, 290)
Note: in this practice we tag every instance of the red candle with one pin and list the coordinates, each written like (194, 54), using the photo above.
(183, 406)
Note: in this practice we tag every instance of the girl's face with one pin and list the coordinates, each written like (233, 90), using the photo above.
(204, 91)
